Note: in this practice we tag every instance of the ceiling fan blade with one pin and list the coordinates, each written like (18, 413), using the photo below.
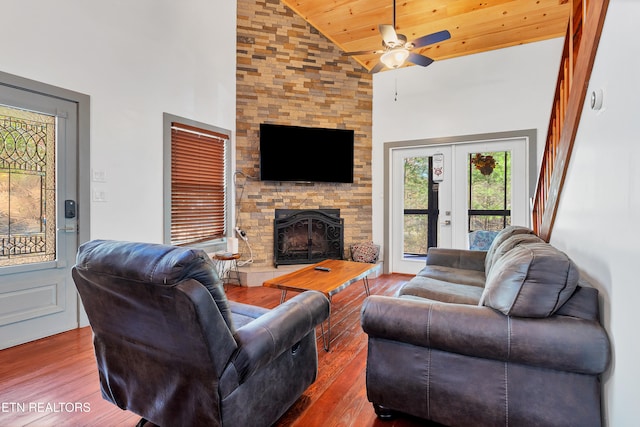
(418, 59)
(388, 34)
(363, 52)
(431, 38)
(379, 66)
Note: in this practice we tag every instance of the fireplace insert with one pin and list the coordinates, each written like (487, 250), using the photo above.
(307, 236)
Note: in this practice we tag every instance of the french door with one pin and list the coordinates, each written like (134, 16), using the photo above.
(493, 190)
(470, 197)
(38, 221)
(420, 205)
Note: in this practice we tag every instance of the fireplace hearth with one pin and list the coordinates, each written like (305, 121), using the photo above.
(307, 236)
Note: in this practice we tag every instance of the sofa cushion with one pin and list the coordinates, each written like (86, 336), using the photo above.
(439, 290)
(243, 314)
(510, 243)
(456, 258)
(503, 235)
(454, 275)
(532, 280)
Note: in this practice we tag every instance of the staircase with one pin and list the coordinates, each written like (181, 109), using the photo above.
(581, 43)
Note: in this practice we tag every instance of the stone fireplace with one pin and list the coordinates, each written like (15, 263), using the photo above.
(307, 236)
(326, 89)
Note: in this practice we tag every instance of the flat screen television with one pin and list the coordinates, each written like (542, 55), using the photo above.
(305, 154)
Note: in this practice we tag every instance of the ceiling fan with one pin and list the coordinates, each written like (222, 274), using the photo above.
(396, 48)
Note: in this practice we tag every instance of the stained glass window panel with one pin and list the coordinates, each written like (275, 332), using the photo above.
(27, 187)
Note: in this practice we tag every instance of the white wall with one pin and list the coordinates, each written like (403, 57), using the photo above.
(597, 222)
(136, 60)
(502, 90)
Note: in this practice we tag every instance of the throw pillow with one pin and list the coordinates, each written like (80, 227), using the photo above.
(481, 240)
(365, 252)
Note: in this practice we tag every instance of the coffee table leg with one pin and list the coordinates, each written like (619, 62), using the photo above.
(326, 336)
(366, 285)
(283, 295)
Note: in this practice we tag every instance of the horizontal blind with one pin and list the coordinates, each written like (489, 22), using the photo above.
(198, 183)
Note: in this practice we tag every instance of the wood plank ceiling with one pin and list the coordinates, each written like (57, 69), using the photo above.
(475, 25)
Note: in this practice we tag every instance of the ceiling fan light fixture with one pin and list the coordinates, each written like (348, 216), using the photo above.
(395, 57)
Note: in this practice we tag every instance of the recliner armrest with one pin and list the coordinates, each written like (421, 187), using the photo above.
(456, 258)
(557, 342)
(265, 338)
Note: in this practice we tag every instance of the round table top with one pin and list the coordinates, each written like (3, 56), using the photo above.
(226, 257)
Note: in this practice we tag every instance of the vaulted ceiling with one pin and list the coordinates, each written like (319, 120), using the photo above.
(475, 25)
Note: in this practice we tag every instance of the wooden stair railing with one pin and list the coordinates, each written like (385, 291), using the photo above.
(581, 43)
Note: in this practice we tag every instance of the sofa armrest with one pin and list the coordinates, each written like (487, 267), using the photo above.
(456, 258)
(264, 339)
(557, 342)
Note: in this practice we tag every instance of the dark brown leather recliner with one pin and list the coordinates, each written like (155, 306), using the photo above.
(171, 348)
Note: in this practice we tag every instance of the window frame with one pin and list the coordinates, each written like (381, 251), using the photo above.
(213, 245)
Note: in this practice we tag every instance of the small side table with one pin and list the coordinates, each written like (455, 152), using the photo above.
(227, 268)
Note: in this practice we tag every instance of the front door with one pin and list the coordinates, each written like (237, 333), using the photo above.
(38, 223)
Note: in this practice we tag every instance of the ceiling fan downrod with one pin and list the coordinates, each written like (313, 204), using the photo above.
(394, 15)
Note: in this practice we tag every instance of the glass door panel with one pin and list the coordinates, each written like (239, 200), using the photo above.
(492, 178)
(489, 190)
(416, 205)
(27, 187)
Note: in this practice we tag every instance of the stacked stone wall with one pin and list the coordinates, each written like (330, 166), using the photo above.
(289, 74)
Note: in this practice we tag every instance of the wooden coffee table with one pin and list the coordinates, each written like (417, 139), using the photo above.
(340, 275)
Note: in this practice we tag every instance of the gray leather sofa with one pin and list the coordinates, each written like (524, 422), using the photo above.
(171, 348)
(507, 337)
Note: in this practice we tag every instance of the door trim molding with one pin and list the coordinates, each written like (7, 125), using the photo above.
(531, 134)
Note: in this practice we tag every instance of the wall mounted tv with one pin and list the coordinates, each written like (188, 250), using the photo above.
(305, 154)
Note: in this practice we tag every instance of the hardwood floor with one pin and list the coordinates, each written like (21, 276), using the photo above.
(54, 381)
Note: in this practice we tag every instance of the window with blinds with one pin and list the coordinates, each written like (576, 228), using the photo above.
(198, 184)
